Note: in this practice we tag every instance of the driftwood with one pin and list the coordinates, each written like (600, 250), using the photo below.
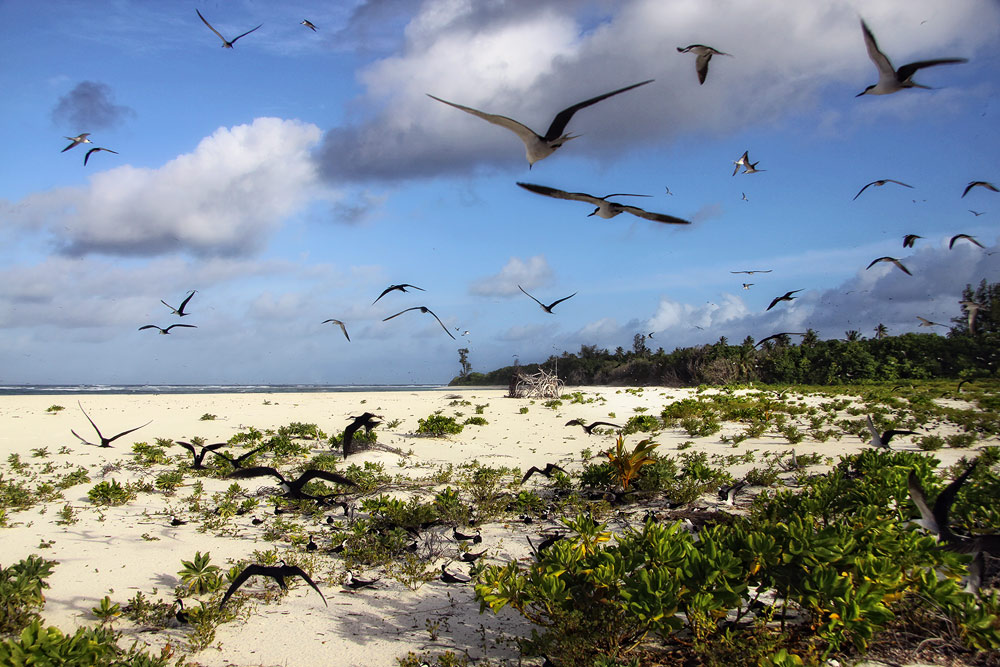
(538, 385)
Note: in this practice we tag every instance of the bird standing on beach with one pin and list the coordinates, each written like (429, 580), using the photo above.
(605, 209)
(787, 296)
(105, 442)
(277, 572)
(548, 308)
(879, 184)
(538, 147)
(82, 139)
(226, 44)
(704, 54)
(891, 80)
(422, 309)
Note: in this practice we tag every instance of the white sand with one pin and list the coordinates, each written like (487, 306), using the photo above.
(105, 553)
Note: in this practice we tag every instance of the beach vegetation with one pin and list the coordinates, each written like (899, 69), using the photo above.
(199, 575)
(67, 516)
(930, 443)
(476, 421)
(438, 426)
(625, 465)
(643, 423)
(169, 481)
(54, 408)
(109, 494)
(21, 597)
(369, 476)
(302, 431)
(523, 410)
(207, 417)
(40, 452)
(148, 455)
(94, 647)
(106, 611)
(487, 487)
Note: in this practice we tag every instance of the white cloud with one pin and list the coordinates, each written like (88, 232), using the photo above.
(530, 273)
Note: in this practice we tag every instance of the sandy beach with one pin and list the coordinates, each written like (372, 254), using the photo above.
(119, 551)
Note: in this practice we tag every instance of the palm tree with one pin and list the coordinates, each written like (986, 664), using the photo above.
(810, 338)
(852, 335)
(881, 331)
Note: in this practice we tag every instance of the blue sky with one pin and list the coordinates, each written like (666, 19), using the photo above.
(293, 178)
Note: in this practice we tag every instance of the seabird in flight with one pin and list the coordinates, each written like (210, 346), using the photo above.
(891, 80)
(589, 428)
(972, 184)
(748, 285)
(307, 23)
(341, 325)
(909, 239)
(547, 472)
(893, 260)
(401, 288)
(881, 440)
(787, 296)
(293, 488)
(94, 150)
(927, 323)
(773, 336)
(879, 184)
(422, 309)
(199, 457)
(548, 308)
(976, 213)
(605, 209)
(968, 238)
(167, 330)
(750, 273)
(82, 139)
(179, 312)
(537, 147)
(226, 44)
(704, 54)
(277, 572)
(105, 442)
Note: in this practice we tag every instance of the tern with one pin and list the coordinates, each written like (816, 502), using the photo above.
(547, 472)
(704, 54)
(449, 578)
(538, 147)
(82, 139)
(605, 209)
(307, 23)
(744, 196)
(972, 309)
(968, 238)
(936, 520)
(972, 184)
(277, 572)
(179, 312)
(787, 296)
(341, 325)
(891, 80)
(422, 309)
(881, 440)
(893, 260)
(728, 493)
(909, 239)
(167, 330)
(589, 428)
(199, 457)
(927, 323)
(355, 584)
(548, 308)
(105, 442)
(742, 162)
(401, 288)
(95, 150)
(293, 488)
(748, 285)
(462, 537)
(879, 184)
(750, 273)
(226, 44)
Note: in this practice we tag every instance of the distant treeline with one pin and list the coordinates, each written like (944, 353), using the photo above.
(780, 361)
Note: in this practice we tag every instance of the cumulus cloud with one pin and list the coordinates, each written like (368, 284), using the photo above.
(224, 198)
(531, 63)
(90, 106)
(530, 273)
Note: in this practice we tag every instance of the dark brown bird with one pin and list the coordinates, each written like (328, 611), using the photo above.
(880, 183)
(589, 428)
(293, 488)
(605, 209)
(547, 471)
(909, 239)
(179, 311)
(423, 309)
(401, 288)
(787, 296)
(968, 238)
(704, 54)
(238, 462)
(278, 572)
(895, 261)
(341, 325)
(105, 442)
(548, 308)
(881, 440)
(972, 184)
(199, 457)
(449, 578)
(936, 520)
(95, 150)
(367, 421)
(167, 330)
(226, 44)
(777, 335)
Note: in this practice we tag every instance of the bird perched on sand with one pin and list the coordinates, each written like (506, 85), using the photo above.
(277, 572)
(893, 260)
(341, 325)
(356, 584)
(293, 488)
(449, 578)
(972, 184)
(167, 330)
(605, 209)
(909, 239)
(890, 79)
(422, 309)
(82, 139)
(881, 440)
(86, 157)
(879, 184)
(538, 147)
(179, 311)
(548, 308)
(547, 471)
(462, 537)
(105, 442)
(787, 296)
(226, 44)
(199, 456)
(589, 428)
(704, 54)
(968, 238)
(400, 288)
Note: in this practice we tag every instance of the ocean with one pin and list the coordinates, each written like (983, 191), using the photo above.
(57, 389)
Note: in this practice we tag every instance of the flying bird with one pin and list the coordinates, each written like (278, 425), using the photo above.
(744, 196)
(179, 312)
(909, 239)
(976, 213)
(548, 308)
(787, 296)
(881, 440)
(226, 44)
(893, 260)
(927, 323)
(972, 309)
(935, 520)
(968, 238)
(777, 335)
(972, 184)
(742, 162)
(238, 461)
(589, 428)
(167, 330)
(891, 80)
(307, 23)
(95, 150)
(199, 457)
(105, 442)
(341, 325)
(605, 209)
(547, 472)
(401, 288)
(748, 167)
(293, 488)
(538, 147)
(277, 572)
(748, 285)
(367, 421)
(751, 168)
(704, 54)
(750, 273)
(879, 184)
(422, 309)
(82, 139)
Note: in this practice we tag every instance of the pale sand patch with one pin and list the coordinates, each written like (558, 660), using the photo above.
(109, 556)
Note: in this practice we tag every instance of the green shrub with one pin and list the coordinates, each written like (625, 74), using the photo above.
(199, 575)
(644, 423)
(476, 421)
(930, 443)
(111, 493)
(93, 647)
(21, 597)
(438, 425)
(960, 440)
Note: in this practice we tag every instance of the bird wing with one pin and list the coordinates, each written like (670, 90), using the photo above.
(185, 302)
(900, 265)
(656, 217)
(908, 70)
(562, 194)
(211, 28)
(214, 446)
(425, 308)
(772, 336)
(701, 65)
(556, 303)
(244, 34)
(256, 471)
(186, 326)
(532, 298)
(149, 326)
(963, 236)
(100, 435)
(81, 439)
(186, 445)
(295, 571)
(573, 422)
(526, 134)
(876, 440)
(742, 162)
(891, 433)
(917, 496)
(115, 437)
(604, 424)
(882, 63)
(309, 475)
(89, 153)
(773, 303)
(531, 471)
(889, 180)
(248, 571)
(562, 118)
(863, 189)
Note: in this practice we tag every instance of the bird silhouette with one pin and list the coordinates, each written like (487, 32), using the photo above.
(400, 288)
(199, 456)
(367, 421)
(972, 184)
(82, 139)
(226, 44)
(605, 209)
(179, 311)
(890, 79)
(86, 158)
(547, 471)
(422, 309)
(307, 23)
(548, 308)
(589, 428)
(704, 54)
(449, 578)
(293, 488)
(341, 325)
(968, 238)
(880, 183)
(105, 442)
(167, 330)
(893, 260)
(778, 335)
(238, 461)
(277, 572)
(881, 440)
(909, 239)
(787, 296)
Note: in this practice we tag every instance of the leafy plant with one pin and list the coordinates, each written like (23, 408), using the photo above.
(107, 611)
(111, 493)
(21, 597)
(626, 465)
(438, 426)
(199, 576)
